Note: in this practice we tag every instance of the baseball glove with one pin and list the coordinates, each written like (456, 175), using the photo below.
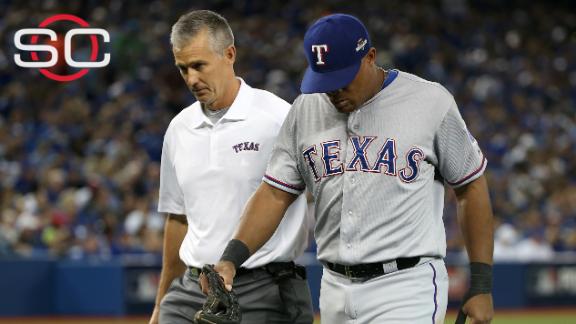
(221, 306)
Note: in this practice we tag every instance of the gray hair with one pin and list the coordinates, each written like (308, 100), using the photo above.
(192, 23)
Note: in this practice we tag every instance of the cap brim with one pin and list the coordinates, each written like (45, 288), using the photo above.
(315, 82)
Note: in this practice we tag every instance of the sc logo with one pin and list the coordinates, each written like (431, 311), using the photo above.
(33, 48)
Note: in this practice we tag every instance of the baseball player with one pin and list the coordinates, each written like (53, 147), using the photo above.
(375, 148)
(213, 158)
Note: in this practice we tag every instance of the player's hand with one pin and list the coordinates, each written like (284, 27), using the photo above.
(226, 270)
(155, 315)
(479, 309)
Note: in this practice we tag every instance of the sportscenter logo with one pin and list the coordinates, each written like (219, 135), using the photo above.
(33, 48)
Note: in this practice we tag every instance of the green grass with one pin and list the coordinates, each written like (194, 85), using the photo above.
(522, 317)
(527, 318)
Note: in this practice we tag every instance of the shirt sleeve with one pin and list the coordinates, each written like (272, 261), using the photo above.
(170, 198)
(459, 156)
(282, 171)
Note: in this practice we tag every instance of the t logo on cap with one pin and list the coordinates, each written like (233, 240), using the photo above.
(334, 46)
(318, 50)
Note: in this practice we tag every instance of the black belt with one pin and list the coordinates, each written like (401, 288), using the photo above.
(272, 268)
(371, 270)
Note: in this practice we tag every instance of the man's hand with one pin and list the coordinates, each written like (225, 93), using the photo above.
(155, 315)
(226, 270)
(175, 229)
(479, 309)
(221, 306)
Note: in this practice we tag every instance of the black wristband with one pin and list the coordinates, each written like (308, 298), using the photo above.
(236, 252)
(480, 283)
(480, 278)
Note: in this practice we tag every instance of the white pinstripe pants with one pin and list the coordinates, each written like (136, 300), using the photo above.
(418, 295)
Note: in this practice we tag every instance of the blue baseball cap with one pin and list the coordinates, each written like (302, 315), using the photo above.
(334, 47)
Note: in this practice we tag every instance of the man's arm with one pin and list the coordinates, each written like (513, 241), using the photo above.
(172, 267)
(476, 223)
(262, 215)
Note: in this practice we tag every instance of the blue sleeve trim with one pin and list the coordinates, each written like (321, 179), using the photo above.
(283, 185)
(475, 172)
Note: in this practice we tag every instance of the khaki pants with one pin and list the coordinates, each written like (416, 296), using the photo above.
(263, 299)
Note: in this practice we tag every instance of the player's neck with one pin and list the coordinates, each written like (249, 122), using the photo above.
(380, 76)
(381, 79)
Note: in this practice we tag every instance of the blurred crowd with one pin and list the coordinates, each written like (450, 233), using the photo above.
(79, 161)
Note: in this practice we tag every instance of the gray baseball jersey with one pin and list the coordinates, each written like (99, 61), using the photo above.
(378, 173)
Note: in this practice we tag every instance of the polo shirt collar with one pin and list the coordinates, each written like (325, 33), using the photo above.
(238, 110)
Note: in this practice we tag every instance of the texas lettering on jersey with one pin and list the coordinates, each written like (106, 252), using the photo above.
(329, 155)
(246, 146)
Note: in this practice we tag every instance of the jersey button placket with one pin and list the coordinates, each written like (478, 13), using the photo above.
(214, 147)
(350, 214)
(353, 125)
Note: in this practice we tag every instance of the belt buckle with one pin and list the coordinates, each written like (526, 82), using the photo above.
(390, 267)
(348, 271)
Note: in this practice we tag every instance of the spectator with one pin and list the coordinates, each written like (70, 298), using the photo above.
(77, 158)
